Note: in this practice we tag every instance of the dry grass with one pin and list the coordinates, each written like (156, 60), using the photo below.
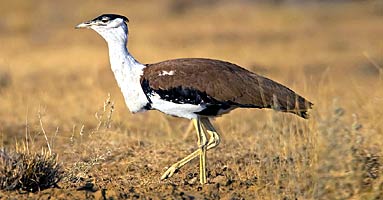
(53, 80)
(25, 171)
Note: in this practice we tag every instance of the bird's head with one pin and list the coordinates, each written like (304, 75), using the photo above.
(111, 27)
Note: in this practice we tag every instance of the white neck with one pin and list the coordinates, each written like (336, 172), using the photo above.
(120, 58)
(126, 69)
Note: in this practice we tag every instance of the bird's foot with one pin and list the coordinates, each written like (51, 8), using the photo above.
(172, 169)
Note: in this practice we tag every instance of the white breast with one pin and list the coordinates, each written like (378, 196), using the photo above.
(128, 72)
(129, 83)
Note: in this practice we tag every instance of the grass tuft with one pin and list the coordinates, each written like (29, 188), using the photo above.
(28, 171)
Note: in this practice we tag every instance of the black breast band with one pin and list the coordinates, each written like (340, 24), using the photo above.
(181, 95)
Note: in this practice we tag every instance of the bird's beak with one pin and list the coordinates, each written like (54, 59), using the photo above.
(84, 25)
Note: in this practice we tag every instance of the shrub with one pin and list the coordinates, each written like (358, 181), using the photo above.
(28, 171)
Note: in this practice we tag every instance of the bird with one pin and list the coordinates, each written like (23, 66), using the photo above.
(197, 89)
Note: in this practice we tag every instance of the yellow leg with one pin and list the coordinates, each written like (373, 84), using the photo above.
(213, 142)
(214, 139)
(172, 169)
(202, 141)
(189, 129)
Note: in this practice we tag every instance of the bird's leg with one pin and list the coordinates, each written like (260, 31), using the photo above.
(214, 140)
(201, 141)
(189, 129)
(172, 169)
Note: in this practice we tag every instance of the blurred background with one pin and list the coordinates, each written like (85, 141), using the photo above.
(315, 47)
(329, 51)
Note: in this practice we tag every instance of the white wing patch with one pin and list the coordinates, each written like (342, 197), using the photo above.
(180, 110)
(167, 73)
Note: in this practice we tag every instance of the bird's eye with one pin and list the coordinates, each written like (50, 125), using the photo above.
(104, 20)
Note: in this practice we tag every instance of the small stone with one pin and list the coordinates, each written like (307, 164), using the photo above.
(219, 179)
(192, 181)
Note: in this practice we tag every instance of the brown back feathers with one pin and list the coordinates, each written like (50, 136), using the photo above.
(225, 82)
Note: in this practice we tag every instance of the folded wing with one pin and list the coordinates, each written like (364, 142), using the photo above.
(220, 82)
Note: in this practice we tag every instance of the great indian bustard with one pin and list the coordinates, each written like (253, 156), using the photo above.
(192, 88)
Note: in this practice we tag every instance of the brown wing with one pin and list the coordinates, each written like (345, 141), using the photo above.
(225, 82)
